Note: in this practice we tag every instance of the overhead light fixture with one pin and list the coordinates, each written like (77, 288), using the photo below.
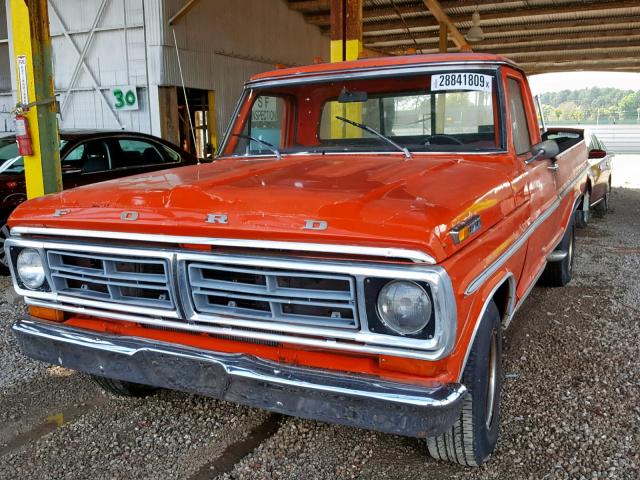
(475, 33)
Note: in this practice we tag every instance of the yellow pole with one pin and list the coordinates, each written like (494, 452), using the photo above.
(346, 45)
(34, 72)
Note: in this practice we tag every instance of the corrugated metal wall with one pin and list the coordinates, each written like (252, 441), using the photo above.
(222, 43)
(115, 57)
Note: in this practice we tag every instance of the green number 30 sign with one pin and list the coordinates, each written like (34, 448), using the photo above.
(124, 98)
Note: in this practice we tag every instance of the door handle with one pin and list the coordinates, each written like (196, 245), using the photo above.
(553, 167)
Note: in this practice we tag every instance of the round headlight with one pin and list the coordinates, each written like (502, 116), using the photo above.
(404, 307)
(30, 268)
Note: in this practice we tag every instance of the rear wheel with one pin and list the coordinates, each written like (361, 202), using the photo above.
(558, 274)
(122, 388)
(473, 437)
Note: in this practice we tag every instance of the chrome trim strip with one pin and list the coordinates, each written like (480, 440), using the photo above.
(510, 307)
(373, 71)
(384, 252)
(515, 246)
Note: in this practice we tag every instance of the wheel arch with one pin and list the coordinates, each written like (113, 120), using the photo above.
(503, 293)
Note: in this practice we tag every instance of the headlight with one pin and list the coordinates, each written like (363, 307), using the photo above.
(30, 268)
(404, 307)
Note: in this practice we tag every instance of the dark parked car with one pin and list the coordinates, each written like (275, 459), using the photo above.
(87, 156)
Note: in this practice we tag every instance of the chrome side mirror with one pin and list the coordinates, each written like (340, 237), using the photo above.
(546, 150)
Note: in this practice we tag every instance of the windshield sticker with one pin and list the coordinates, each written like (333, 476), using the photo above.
(461, 81)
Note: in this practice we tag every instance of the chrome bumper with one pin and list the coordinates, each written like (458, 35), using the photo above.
(356, 400)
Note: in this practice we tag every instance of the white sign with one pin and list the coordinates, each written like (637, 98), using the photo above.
(264, 110)
(22, 79)
(124, 98)
(461, 81)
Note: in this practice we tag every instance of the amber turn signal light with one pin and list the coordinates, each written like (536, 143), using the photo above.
(46, 313)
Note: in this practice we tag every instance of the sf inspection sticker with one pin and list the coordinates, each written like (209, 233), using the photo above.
(461, 81)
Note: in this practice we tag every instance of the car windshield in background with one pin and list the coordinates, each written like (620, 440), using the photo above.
(11, 161)
(443, 111)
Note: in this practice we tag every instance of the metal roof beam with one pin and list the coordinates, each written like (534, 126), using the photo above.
(628, 36)
(518, 15)
(444, 20)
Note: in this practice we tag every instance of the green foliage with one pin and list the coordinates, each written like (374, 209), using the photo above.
(592, 105)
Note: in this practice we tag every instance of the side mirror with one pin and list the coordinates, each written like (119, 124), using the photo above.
(546, 150)
(597, 153)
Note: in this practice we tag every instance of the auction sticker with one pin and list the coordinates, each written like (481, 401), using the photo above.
(461, 81)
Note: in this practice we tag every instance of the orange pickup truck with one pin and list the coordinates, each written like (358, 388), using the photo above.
(366, 232)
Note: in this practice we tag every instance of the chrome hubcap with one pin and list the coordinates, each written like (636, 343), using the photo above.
(493, 378)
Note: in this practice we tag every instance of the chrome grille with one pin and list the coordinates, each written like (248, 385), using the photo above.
(142, 282)
(293, 297)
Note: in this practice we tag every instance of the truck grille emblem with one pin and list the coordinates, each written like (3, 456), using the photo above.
(315, 225)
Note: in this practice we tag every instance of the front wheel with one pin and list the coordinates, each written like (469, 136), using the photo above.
(122, 388)
(473, 437)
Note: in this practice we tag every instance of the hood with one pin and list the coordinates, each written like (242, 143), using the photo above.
(374, 200)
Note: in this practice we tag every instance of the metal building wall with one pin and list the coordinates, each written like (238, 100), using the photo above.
(224, 42)
(97, 45)
(129, 42)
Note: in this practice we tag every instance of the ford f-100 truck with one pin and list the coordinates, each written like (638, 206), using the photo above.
(366, 232)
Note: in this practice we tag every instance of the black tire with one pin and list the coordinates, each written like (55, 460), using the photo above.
(122, 388)
(602, 207)
(558, 274)
(583, 213)
(4, 234)
(473, 437)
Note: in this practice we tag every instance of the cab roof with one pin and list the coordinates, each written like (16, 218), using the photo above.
(381, 62)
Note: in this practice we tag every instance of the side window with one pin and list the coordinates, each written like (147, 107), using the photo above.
(265, 123)
(74, 159)
(89, 157)
(519, 124)
(139, 153)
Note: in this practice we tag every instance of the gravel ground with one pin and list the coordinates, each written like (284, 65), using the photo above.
(570, 407)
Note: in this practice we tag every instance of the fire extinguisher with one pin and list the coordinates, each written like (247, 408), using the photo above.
(23, 136)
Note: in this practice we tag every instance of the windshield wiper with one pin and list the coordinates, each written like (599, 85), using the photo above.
(270, 146)
(367, 128)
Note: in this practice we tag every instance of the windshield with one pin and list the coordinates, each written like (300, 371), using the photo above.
(440, 111)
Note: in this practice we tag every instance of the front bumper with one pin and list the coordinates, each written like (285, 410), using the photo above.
(356, 400)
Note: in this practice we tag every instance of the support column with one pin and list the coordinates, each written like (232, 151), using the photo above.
(346, 44)
(441, 98)
(34, 71)
(346, 30)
